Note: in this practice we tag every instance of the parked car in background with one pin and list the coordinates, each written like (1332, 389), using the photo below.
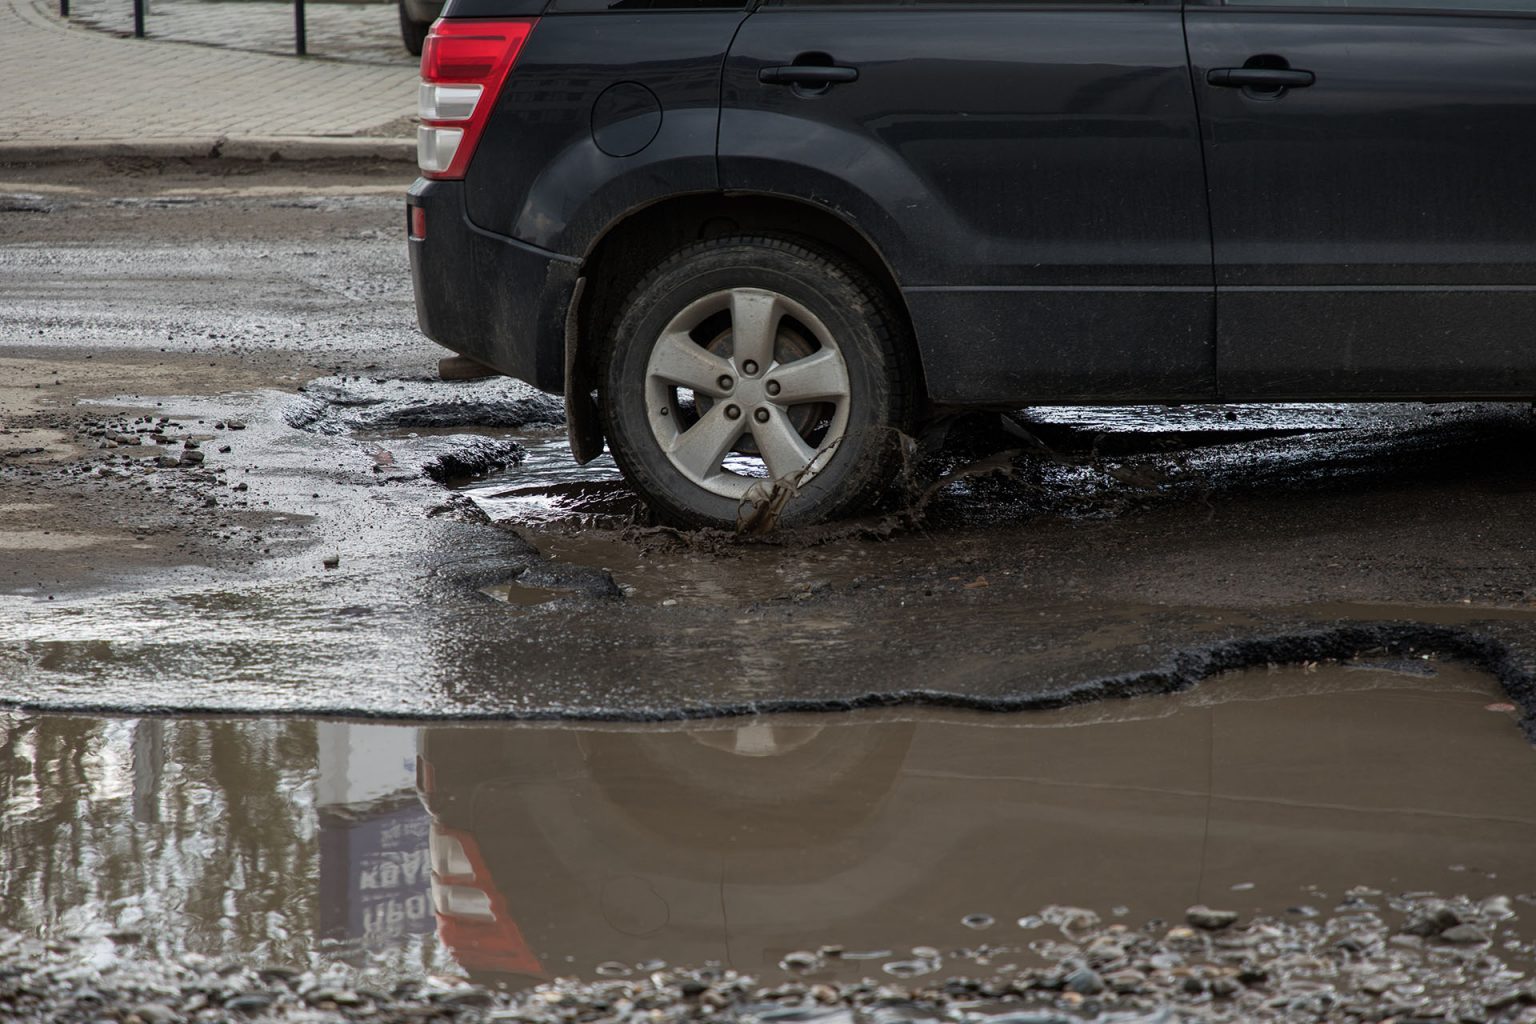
(754, 244)
(416, 17)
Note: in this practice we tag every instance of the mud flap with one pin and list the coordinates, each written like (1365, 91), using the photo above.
(583, 427)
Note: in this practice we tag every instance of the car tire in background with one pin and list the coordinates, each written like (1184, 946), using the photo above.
(746, 374)
(412, 32)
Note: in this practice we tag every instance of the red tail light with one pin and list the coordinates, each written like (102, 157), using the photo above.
(463, 66)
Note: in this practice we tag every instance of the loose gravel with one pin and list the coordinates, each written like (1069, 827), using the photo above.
(1414, 957)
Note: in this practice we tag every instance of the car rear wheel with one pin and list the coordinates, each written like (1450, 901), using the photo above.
(412, 32)
(748, 373)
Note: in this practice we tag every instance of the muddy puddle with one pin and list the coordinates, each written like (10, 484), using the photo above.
(810, 847)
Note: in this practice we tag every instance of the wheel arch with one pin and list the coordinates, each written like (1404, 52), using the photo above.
(635, 243)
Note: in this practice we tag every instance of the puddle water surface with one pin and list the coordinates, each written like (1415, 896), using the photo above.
(517, 853)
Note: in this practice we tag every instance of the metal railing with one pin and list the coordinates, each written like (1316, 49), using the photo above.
(300, 36)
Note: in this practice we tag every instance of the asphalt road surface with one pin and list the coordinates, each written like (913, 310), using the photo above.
(231, 481)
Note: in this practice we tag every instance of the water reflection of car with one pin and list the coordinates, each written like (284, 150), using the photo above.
(557, 849)
(612, 845)
(416, 17)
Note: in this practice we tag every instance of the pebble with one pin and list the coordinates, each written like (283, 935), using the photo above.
(155, 1013)
(251, 1002)
(800, 960)
(1376, 984)
(1084, 981)
(1283, 972)
(1205, 918)
(1129, 981)
(1464, 935)
(1430, 920)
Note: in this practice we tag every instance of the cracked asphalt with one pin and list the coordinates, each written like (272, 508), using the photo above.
(376, 542)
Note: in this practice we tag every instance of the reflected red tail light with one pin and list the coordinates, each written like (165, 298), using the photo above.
(464, 64)
(473, 921)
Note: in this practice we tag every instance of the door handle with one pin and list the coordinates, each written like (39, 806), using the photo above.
(1260, 78)
(807, 74)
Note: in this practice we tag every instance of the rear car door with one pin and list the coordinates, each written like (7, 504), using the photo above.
(1371, 164)
(1030, 171)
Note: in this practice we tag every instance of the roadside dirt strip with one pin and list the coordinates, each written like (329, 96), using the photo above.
(321, 559)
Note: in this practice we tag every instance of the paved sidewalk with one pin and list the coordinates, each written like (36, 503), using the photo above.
(72, 91)
(368, 32)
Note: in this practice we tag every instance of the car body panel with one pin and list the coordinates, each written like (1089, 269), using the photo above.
(539, 174)
(1032, 175)
(518, 325)
(1375, 232)
(1034, 178)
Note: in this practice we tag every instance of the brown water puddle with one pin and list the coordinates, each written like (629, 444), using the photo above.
(517, 853)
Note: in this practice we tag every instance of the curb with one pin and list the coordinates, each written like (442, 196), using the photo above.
(249, 147)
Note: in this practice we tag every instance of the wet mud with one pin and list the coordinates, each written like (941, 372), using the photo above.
(379, 542)
(1346, 842)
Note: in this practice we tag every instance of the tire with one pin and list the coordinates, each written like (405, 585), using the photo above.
(675, 364)
(412, 32)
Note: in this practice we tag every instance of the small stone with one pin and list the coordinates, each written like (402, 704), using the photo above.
(1084, 981)
(800, 960)
(225, 449)
(242, 487)
(1430, 920)
(155, 1013)
(1103, 950)
(1512, 997)
(235, 424)
(251, 1002)
(1377, 984)
(1465, 935)
(1126, 982)
(331, 561)
(464, 997)
(191, 458)
(1205, 918)
(167, 461)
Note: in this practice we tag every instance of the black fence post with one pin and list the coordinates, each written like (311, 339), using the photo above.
(300, 44)
(138, 19)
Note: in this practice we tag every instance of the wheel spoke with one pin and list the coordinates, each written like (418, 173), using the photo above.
(783, 450)
(699, 449)
(819, 377)
(678, 359)
(755, 318)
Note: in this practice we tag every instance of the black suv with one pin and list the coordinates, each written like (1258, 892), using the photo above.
(756, 244)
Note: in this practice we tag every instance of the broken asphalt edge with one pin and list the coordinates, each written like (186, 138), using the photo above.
(1180, 672)
(274, 148)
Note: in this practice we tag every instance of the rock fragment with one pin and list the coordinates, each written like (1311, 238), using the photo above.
(1210, 920)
